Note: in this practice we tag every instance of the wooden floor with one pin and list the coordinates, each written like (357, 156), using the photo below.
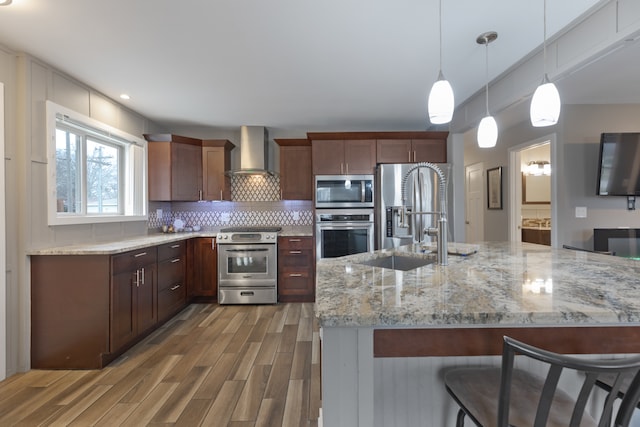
(209, 366)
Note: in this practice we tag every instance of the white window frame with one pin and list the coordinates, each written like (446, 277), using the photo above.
(132, 171)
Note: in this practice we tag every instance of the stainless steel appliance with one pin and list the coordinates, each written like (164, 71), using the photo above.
(344, 191)
(247, 265)
(342, 232)
(422, 191)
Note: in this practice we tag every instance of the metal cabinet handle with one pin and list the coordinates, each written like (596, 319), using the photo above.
(295, 275)
(175, 246)
(173, 288)
(294, 240)
(295, 252)
(220, 194)
(199, 194)
(137, 278)
(142, 275)
(175, 260)
(140, 254)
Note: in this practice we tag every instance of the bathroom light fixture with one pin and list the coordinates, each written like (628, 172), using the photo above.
(538, 168)
(441, 101)
(488, 128)
(545, 104)
(5, 2)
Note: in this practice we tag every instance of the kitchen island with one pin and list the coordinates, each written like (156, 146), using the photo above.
(387, 334)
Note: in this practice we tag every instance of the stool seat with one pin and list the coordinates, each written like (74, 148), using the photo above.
(506, 396)
(477, 389)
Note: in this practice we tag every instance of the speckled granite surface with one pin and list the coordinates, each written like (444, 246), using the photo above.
(151, 239)
(503, 284)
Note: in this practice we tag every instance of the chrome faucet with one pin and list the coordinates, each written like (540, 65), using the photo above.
(440, 232)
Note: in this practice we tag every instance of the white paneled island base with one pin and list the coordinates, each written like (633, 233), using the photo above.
(388, 335)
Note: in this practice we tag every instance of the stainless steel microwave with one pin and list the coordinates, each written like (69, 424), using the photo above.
(344, 191)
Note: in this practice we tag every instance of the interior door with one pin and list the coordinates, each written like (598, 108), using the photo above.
(474, 191)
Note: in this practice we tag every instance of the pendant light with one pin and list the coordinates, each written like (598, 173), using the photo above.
(441, 102)
(545, 104)
(488, 128)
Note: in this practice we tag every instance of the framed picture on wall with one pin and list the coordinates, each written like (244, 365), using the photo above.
(494, 188)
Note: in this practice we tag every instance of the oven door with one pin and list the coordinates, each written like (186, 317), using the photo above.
(339, 239)
(247, 265)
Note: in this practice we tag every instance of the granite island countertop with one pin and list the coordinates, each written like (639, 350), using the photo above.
(503, 284)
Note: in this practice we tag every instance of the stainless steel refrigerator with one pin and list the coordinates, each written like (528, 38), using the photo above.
(422, 194)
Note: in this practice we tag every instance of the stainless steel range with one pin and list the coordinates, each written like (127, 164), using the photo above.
(247, 265)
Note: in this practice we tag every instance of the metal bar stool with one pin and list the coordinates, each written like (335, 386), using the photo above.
(506, 396)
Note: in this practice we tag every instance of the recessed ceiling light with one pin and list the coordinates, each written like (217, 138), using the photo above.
(124, 96)
(5, 2)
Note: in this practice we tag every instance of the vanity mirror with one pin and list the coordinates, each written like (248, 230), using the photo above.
(536, 189)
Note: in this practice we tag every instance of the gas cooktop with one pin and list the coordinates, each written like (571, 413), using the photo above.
(251, 230)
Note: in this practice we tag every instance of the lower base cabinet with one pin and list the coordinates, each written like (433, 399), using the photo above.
(532, 235)
(296, 267)
(203, 280)
(86, 310)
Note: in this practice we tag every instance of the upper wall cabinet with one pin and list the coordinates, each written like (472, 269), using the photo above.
(175, 168)
(411, 150)
(216, 160)
(343, 156)
(296, 180)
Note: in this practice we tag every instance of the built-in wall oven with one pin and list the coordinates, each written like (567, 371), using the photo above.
(341, 232)
(248, 265)
(344, 191)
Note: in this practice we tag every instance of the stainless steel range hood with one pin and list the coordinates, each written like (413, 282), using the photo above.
(254, 152)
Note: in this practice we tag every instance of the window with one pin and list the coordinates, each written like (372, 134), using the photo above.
(96, 173)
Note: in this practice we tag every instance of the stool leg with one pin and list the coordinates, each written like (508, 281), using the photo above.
(460, 418)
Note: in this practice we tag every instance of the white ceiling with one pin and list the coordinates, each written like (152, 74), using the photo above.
(330, 65)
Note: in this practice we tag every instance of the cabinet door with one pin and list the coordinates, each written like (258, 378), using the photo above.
(146, 296)
(123, 311)
(327, 157)
(429, 150)
(295, 173)
(216, 185)
(295, 269)
(393, 150)
(186, 172)
(159, 170)
(205, 269)
(360, 156)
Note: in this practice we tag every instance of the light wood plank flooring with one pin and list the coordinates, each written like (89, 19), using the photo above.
(210, 365)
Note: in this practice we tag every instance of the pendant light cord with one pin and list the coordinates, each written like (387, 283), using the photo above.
(440, 32)
(544, 39)
(486, 43)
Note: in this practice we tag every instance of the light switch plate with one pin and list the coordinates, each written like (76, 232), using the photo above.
(158, 213)
(224, 217)
(581, 212)
(296, 215)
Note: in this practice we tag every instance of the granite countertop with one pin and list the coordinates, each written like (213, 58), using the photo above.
(503, 284)
(142, 241)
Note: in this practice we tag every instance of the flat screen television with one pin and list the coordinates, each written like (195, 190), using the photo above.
(619, 164)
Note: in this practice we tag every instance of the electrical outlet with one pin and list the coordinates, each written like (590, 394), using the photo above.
(224, 217)
(159, 213)
(296, 215)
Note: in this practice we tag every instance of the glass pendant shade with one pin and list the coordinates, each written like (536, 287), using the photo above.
(441, 101)
(545, 104)
(487, 132)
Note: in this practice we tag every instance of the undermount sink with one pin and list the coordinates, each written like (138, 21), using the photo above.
(399, 262)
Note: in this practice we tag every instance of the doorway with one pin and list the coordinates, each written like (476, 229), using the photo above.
(474, 211)
(532, 191)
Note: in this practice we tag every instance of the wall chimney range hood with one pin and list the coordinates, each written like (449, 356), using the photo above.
(254, 152)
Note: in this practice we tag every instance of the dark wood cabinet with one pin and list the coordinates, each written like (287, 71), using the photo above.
(133, 296)
(175, 167)
(296, 266)
(533, 235)
(216, 160)
(203, 283)
(296, 180)
(340, 157)
(411, 150)
(172, 286)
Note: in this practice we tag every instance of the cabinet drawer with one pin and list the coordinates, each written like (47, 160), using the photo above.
(171, 300)
(295, 242)
(171, 272)
(295, 283)
(295, 259)
(172, 250)
(133, 260)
